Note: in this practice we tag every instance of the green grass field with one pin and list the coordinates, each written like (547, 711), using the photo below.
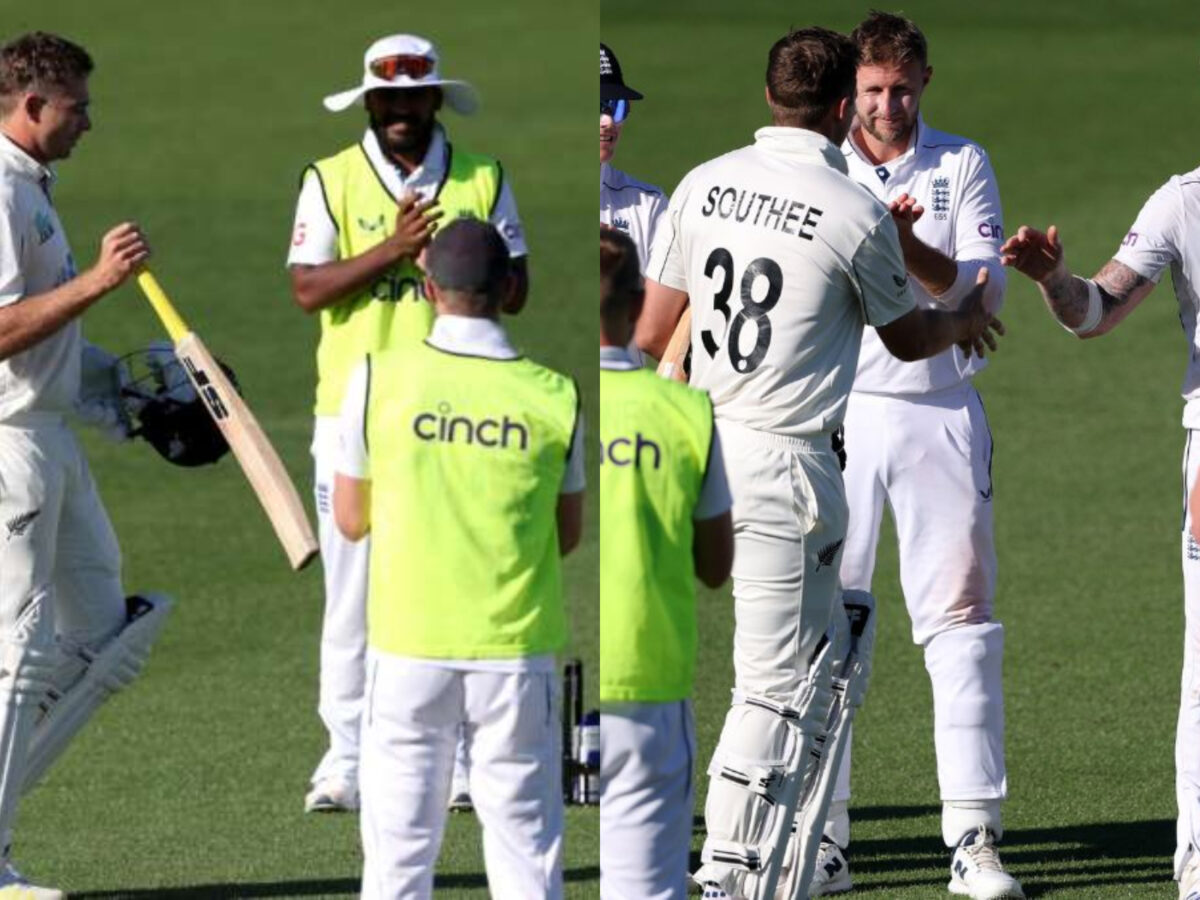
(1085, 109)
(190, 785)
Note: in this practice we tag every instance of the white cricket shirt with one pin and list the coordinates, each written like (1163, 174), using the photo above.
(314, 233)
(34, 258)
(951, 177)
(631, 206)
(784, 259)
(1163, 235)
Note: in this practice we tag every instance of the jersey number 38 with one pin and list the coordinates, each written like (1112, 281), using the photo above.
(751, 309)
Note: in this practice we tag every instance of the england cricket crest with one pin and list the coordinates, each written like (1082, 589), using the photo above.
(941, 197)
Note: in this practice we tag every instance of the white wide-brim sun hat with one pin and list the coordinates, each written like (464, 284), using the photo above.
(459, 95)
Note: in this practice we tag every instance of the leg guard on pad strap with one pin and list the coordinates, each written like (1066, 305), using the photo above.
(854, 645)
(64, 711)
(756, 775)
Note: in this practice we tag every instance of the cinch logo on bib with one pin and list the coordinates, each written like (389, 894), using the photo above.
(637, 451)
(444, 427)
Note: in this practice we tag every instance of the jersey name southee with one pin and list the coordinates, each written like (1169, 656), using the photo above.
(774, 213)
(443, 426)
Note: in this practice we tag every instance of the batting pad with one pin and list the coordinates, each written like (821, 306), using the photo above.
(114, 666)
(854, 645)
(756, 776)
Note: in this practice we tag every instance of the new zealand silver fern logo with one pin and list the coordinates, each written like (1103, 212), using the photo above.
(18, 525)
(827, 554)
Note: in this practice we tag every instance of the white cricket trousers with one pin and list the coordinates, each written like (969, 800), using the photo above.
(789, 525)
(929, 458)
(344, 628)
(60, 574)
(647, 757)
(1187, 735)
(413, 715)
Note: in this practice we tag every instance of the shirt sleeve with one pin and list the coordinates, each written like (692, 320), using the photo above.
(12, 280)
(879, 276)
(575, 478)
(314, 233)
(666, 265)
(353, 459)
(657, 208)
(508, 222)
(979, 232)
(714, 496)
(1153, 242)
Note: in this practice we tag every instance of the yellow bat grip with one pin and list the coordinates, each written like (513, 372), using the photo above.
(174, 323)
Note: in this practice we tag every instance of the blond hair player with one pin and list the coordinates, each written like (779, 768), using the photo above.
(68, 634)
(784, 260)
(363, 217)
(917, 440)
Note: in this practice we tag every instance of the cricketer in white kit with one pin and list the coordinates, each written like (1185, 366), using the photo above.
(627, 204)
(68, 635)
(784, 260)
(410, 154)
(1162, 237)
(917, 440)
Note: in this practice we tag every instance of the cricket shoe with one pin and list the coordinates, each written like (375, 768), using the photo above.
(976, 870)
(328, 795)
(832, 873)
(460, 801)
(1189, 881)
(14, 886)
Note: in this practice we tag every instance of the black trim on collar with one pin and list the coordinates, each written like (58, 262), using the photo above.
(446, 170)
(324, 194)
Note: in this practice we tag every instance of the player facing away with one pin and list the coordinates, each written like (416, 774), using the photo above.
(917, 440)
(68, 635)
(784, 260)
(664, 521)
(464, 461)
(363, 217)
(1160, 238)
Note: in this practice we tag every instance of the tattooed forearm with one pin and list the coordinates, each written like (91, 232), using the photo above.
(1067, 296)
(1118, 284)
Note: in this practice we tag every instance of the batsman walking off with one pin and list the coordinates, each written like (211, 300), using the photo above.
(784, 260)
(69, 637)
(1162, 237)
(917, 440)
(464, 460)
(664, 521)
(363, 217)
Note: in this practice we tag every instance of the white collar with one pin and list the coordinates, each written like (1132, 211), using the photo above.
(617, 358)
(472, 336)
(23, 163)
(430, 171)
(809, 146)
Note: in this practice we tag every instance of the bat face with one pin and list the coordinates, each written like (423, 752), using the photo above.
(250, 445)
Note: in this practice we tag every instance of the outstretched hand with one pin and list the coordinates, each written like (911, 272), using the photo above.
(1032, 253)
(906, 212)
(982, 327)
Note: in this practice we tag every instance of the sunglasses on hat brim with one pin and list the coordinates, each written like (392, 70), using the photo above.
(618, 110)
(391, 67)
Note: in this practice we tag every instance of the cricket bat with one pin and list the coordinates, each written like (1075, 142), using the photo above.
(258, 459)
(671, 364)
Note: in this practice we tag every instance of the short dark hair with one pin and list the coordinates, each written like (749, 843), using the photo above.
(469, 262)
(808, 71)
(620, 275)
(888, 39)
(39, 60)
